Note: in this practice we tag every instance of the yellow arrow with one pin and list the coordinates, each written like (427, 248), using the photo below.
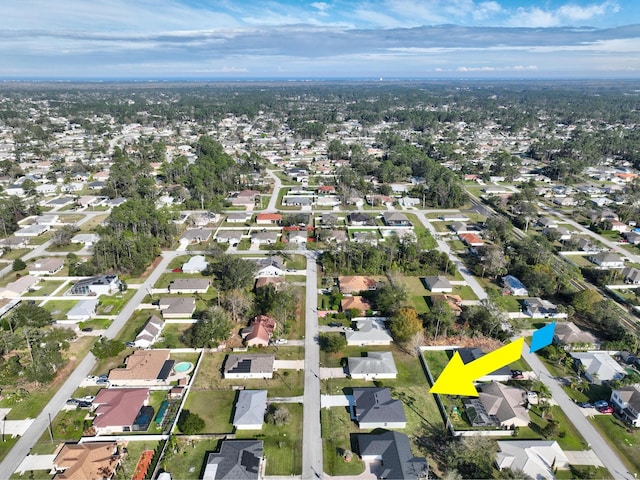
(457, 378)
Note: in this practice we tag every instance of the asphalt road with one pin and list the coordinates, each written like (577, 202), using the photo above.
(311, 431)
(277, 185)
(598, 444)
(22, 447)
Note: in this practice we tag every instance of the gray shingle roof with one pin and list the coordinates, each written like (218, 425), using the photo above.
(375, 405)
(398, 461)
(237, 460)
(375, 363)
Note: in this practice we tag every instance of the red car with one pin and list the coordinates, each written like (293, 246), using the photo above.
(608, 410)
(176, 270)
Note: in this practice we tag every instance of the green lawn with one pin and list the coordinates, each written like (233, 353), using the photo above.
(44, 288)
(186, 460)
(621, 438)
(172, 335)
(111, 305)
(217, 420)
(337, 436)
(130, 461)
(15, 253)
(465, 291)
(59, 308)
(96, 323)
(297, 262)
(72, 247)
(134, 324)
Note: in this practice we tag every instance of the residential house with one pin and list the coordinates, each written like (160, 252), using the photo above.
(329, 220)
(356, 302)
(268, 218)
(546, 222)
(150, 332)
(264, 281)
(83, 310)
(195, 264)
(396, 219)
(392, 451)
(471, 239)
(460, 227)
(246, 366)
(236, 460)
(189, 285)
(19, 287)
(374, 366)
(86, 461)
(536, 307)
(439, 284)
(585, 245)
(369, 237)
(100, 285)
(232, 237)
(238, 217)
(250, 409)
(598, 367)
(116, 409)
(358, 219)
(244, 198)
(498, 405)
(633, 237)
(297, 201)
(273, 266)
(626, 401)
(369, 331)
(409, 201)
(297, 237)
(264, 238)
(197, 235)
(537, 459)
(335, 235)
(572, 336)
(514, 286)
(606, 260)
(46, 266)
(468, 355)
(143, 368)
(373, 407)
(454, 217)
(631, 275)
(86, 239)
(565, 201)
(259, 331)
(618, 226)
(356, 284)
(11, 243)
(177, 307)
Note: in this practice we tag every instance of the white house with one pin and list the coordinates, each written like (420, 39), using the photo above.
(250, 410)
(83, 310)
(370, 331)
(626, 400)
(196, 264)
(100, 285)
(150, 332)
(374, 366)
(598, 367)
(606, 260)
(536, 458)
(245, 366)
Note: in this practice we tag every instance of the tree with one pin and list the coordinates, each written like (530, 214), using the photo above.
(472, 457)
(28, 315)
(440, 316)
(492, 260)
(18, 264)
(107, 348)
(279, 416)
(190, 423)
(390, 297)
(233, 272)
(64, 235)
(332, 343)
(405, 324)
(212, 328)
(237, 303)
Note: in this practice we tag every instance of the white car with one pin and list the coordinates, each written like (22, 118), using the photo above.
(281, 341)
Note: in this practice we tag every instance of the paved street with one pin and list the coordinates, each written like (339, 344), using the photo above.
(572, 411)
(31, 436)
(311, 432)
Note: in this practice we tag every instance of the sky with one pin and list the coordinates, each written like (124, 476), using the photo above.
(288, 39)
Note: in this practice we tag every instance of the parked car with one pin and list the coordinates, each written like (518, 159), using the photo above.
(347, 329)
(335, 324)
(517, 374)
(87, 329)
(281, 341)
(130, 344)
(92, 378)
(585, 405)
(600, 403)
(606, 410)
(72, 401)
(177, 270)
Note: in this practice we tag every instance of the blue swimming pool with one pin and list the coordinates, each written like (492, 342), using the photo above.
(182, 367)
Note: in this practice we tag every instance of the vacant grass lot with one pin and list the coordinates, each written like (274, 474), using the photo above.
(621, 438)
(188, 459)
(59, 308)
(44, 288)
(218, 419)
(338, 435)
(111, 305)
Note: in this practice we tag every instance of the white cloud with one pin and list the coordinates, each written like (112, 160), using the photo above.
(567, 14)
(578, 13)
(507, 68)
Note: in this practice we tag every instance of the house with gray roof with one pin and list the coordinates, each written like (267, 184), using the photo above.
(232, 237)
(248, 365)
(598, 367)
(236, 460)
(396, 219)
(250, 409)
(177, 307)
(373, 407)
(631, 275)
(536, 458)
(369, 331)
(264, 238)
(570, 335)
(468, 355)
(627, 403)
(189, 285)
(439, 284)
(197, 235)
(374, 366)
(498, 405)
(83, 310)
(99, 285)
(536, 307)
(392, 451)
(605, 260)
(150, 332)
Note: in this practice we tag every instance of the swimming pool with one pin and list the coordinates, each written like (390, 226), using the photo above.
(182, 367)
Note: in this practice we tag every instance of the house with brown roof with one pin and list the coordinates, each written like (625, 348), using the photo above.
(356, 284)
(143, 368)
(471, 239)
(259, 331)
(86, 461)
(268, 218)
(570, 336)
(357, 302)
(116, 409)
(498, 405)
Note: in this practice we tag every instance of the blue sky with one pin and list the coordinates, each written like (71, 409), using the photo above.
(238, 39)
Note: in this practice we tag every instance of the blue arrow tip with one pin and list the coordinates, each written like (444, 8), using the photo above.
(542, 337)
